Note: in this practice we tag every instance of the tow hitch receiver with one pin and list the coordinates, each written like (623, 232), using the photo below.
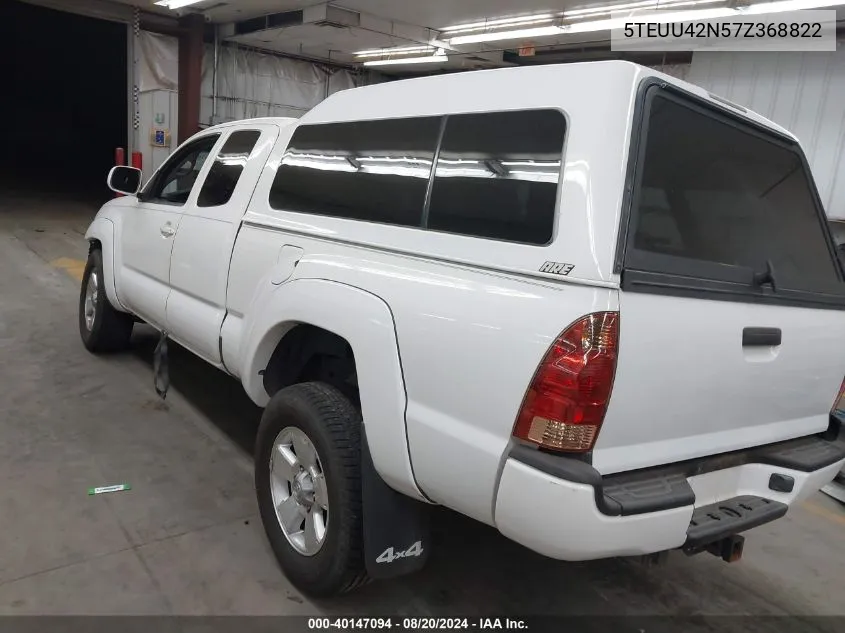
(728, 549)
(716, 528)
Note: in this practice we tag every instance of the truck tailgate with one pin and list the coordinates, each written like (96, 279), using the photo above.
(687, 387)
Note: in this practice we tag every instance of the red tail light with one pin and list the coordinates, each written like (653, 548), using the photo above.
(838, 407)
(565, 404)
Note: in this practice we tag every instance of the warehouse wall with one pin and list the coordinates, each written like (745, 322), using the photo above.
(803, 92)
(252, 84)
(249, 83)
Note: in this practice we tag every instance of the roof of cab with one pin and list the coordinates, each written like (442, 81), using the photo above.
(502, 88)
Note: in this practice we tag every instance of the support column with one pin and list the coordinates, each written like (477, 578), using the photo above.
(190, 74)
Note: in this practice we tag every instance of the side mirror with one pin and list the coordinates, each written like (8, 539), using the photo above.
(125, 180)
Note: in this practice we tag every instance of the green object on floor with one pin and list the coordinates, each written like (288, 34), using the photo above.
(104, 489)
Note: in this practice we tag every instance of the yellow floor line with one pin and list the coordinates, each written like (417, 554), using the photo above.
(824, 512)
(73, 267)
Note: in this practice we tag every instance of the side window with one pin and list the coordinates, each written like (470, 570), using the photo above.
(369, 170)
(224, 174)
(497, 175)
(173, 184)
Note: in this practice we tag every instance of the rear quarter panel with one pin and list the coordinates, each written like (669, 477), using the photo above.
(468, 341)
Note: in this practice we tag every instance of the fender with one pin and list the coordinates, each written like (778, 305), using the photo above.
(102, 229)
(366, 322)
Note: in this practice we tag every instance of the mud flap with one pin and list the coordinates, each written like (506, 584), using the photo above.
(397, 531)
(161, 370)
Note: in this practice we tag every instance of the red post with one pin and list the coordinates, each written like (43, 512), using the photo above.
(137, 160)
(119, 159)
(190, 74)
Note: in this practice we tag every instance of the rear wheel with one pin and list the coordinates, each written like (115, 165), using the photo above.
(102, 328)
(308, 482)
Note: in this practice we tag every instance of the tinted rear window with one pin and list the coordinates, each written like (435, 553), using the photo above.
(368, 170)
(718, 193)
(497, 175)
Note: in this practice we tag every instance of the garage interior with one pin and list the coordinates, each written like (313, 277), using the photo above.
(89, 77)
(73, 78)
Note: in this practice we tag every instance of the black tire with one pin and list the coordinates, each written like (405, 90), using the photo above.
(111, 330)
(333, 425)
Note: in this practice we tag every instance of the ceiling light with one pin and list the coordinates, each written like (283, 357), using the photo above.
(540, 31)
(633, 7)
(177, 4)
(643, 10)
(610, 8)
(675, 16)
(380, 52)
(487, 27)
(486, 24)
(788, 5)
(431, 59)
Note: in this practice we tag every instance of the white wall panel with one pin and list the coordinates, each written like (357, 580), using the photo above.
(249, 83)
(159, 109)
(158, 62)
(253, 84)
(803, 92)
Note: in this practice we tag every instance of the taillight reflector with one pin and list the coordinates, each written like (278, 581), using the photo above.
(565, 404)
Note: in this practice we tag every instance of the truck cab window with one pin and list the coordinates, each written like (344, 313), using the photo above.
(175, 181)
(226, 171)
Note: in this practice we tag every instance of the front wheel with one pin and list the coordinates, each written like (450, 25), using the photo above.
(308, 482)
(102, 328)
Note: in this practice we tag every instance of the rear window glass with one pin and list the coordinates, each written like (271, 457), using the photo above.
(365, 170)
(497, 175)
(714, 192)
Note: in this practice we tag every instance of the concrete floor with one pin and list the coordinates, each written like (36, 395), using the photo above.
(187, 540)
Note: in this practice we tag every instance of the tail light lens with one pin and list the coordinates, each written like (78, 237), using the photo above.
(838, 408)
(565, 404)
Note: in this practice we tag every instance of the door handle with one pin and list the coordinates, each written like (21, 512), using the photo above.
(167, 231)
(761, 336)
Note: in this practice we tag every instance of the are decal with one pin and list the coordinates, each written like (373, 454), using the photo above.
(557, 268)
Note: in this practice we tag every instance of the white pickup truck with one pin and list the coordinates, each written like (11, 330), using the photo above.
(593, 306)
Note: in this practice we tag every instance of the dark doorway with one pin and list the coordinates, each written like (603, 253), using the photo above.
(64, 100)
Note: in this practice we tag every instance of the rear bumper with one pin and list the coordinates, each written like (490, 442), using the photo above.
(561, 507)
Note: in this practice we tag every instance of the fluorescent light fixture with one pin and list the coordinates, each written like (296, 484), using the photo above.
(645, 10)
(431, 59)
(610, 8)
(486, 24)
(788, 5)
(380, 52)
(487, 27)
(177, 4)
(540, 31)
(675, 16)
(583, 27)
(633, 7)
